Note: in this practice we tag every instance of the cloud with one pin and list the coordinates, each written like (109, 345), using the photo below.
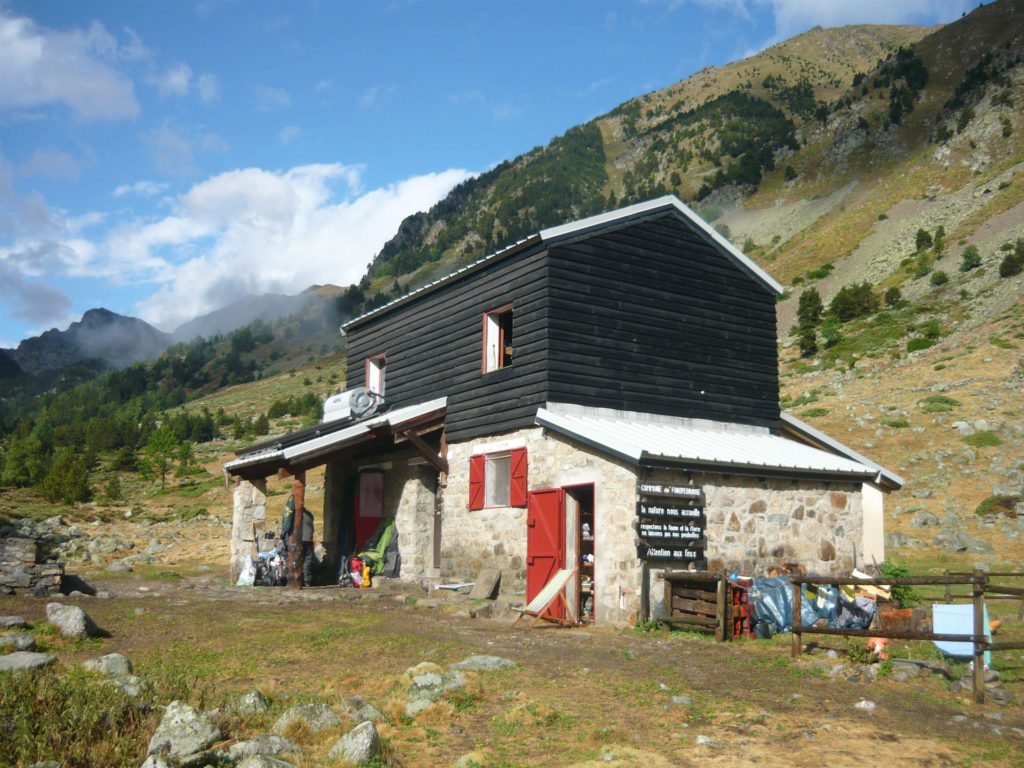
(289, 133)
(373, 96)
(257, 231)
(171, 153)
(51, 163)
(43, 67)
(145, 189)
(208, 87)
(174, 82)
(795, 16)
(32, 300)
(270, 99)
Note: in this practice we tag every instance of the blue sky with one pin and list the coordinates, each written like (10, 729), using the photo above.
(162, 159)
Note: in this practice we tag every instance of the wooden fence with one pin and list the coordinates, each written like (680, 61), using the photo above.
(978, 581)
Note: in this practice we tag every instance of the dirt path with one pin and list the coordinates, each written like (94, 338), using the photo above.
(577, 697)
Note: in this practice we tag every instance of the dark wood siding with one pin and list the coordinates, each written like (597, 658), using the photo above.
(651, 318)
(434, 347)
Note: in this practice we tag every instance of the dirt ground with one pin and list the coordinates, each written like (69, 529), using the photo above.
(577, 697)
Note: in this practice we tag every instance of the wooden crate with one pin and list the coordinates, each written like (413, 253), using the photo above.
(699, 600)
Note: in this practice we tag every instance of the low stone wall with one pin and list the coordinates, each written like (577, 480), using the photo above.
(19, 569)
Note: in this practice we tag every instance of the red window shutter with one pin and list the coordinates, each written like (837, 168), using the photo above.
(517, 489)
(476, 482)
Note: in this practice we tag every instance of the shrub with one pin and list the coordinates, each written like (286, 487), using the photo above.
(938, 404)
(939, 278)
(813, 413)
(923, 239)
(831, 329)
(970, 258)
(892, 295)
(916, 345)
(808, 341)
(999, 505)
(983, 439)
(854, 301)
(905, 596)
(809, 310)
(1013, 263)
(896, 423)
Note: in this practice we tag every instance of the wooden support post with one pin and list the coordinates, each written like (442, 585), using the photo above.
(798, 589)
(979, 636)
(295, 545)
(722, 632)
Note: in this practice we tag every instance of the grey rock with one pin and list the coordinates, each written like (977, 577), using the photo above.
(262, 761)
(360, 710)
(22, 660)
(898, 540)
(119, 566)
(183, 731)
(72, 621)
(484, 663)
(682, 701)
(429, 681)
(156, 761)
(923, 519)
(112, 665)
(707, 741)
(960, 541)
(416, 706)
(132, 686)
(249, 703)
(105, 545)
(359, 745)
(46, 764)
(866, 704)
(317, 717)
(267, 744)
(19, 641)
(13, 622)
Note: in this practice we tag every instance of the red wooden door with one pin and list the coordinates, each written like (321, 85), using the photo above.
(545, 542)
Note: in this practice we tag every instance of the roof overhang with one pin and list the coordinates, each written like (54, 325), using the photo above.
(317, 445)
(698, 445)
(800, 430)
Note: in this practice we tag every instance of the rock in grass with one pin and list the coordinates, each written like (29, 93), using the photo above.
(267, 744)
(316, 717)
(132, 686)
(360, 745)
(19, 641)
(72, 621)
(155, 761)
(111, 665)
(13, 622)
(484, 663)
(249, 703)
(22, 660)
(262, 761)
(182, 732)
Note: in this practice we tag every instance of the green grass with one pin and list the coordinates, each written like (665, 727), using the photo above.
(938, 404)
(998, 505)
(983, 439)
(896, 423)
(813, 413)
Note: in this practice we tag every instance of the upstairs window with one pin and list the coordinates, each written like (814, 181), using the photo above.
(375, 374)
(498, 347)
(498, 479)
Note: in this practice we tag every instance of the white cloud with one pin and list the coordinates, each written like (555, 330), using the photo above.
(170, 152)
(289, 133)
(795, 16)
(270, 99)
(51, 163)
(208, 87)
(145, 189)
(174, 82)
(42, 66)
(255, 231)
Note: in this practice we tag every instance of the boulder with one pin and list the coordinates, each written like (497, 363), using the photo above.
(111, 665)
(262, 761)
(484, 663)
(22, 660)
(360, 710)
(72, 621)
(267, 744)
(132, 686)
(183, 731)
(19, 641)
(360, 745)
(249, 703)
(317, 717)
(13, 622)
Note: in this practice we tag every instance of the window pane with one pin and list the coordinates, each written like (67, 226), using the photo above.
(497, 480)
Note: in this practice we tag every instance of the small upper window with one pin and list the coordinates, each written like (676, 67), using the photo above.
(375, 374)
(498, 339)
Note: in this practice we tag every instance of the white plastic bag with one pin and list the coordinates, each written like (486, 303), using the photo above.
(248, 575)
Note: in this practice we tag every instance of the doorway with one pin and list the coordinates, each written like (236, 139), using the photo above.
(545, 542)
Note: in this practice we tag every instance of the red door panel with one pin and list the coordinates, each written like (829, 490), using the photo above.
(545, 542)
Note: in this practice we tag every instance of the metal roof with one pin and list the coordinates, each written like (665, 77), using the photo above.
(641, 439)
(368, 428)
(806, 431)
(582, 227)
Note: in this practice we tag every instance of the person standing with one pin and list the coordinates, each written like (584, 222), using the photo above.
(305, 550)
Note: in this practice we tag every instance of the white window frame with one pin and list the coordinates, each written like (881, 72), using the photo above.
(496, 346)
(497, 486)
(375, 374)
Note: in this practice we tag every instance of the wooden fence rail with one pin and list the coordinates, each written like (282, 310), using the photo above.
(979, 583)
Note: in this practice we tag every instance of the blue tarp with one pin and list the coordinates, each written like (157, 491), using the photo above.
(772, 599)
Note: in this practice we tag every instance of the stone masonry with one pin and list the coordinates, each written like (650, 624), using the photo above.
(250, 499)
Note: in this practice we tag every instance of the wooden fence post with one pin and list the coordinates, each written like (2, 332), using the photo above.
(797, 621)
(978, 585)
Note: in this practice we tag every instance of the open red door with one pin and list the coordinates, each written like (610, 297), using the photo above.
(545, 542)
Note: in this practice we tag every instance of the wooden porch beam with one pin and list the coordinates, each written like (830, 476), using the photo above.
(433, 458)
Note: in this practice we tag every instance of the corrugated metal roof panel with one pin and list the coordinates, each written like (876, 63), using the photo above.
(725, 445)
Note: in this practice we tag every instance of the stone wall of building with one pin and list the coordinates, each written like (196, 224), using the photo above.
(250, 508)
(496, 537)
